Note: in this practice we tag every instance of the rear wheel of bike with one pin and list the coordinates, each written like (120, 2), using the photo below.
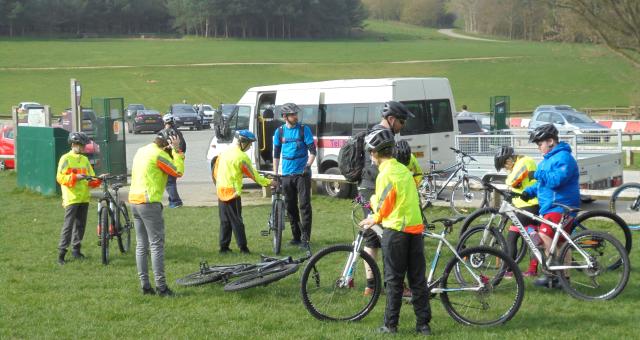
(258, 278)
(606, 222)
(489, 217)
(482, 236)
(278, 226)
(104, 232)
(211, 274)
(327, 297)
(608, 275)
(625, 202)
(496, 300)
(467, 195)
(124, 229)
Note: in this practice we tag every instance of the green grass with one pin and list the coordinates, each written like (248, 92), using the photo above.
(538, 73)
(85, 299)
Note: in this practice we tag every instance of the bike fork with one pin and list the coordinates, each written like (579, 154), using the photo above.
(346, 280)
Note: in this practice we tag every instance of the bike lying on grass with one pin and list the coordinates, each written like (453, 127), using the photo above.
(471, 288)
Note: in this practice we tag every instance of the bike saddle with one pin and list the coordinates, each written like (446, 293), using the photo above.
(447, 222)
(567, 209)
(435, 162)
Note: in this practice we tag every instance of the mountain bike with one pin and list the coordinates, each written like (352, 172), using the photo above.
(625, 201)
(276, 222)
(113, 217)
(467, 188)
(471, 287)
(591, 265)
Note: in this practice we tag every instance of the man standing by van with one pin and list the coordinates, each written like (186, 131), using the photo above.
(294, 142)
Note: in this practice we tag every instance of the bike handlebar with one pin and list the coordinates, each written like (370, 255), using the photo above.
(106, 178)
(464, 154)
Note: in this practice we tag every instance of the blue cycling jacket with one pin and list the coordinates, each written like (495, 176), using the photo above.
(557, 180)
(293, 149)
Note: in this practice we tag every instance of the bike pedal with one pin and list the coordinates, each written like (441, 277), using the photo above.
(264, 232)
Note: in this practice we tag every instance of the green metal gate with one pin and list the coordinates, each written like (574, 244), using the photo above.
(39, 149)
(110, 135)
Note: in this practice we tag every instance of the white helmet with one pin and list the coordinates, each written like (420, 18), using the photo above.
(168, 118)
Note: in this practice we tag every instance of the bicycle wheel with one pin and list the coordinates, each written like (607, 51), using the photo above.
(257, 278)
(327, 297)
(104, 232)
(467, 195)
(625, 202)
(607, 222)
(278, 226)
(211, 274)
(482, 236)
(493, 302)
(610, 271)
(124, 229)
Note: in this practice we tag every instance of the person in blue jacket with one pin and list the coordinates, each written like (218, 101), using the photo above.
(557, 181)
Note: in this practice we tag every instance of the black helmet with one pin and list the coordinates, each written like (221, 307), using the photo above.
(396, 109)
(78, 138)
(402, 152)
(379, 139)
(289, 108)
(164, 134)
(504, 153)
(543, 132)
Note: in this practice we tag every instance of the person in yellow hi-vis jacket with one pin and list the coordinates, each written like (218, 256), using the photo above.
(397, 208)
(73, 169)
(227, 176)
(152, 165)
(402, 153)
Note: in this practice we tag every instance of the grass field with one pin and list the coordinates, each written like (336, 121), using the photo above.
(161, 72)
(84, 299)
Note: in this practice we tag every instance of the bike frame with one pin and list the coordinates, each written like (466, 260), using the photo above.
(113, 205)
(459, 166)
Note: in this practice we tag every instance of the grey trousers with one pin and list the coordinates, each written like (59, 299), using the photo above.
(149, 225)
(75, 221)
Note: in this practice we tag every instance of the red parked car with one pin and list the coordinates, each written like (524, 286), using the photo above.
(6, 147)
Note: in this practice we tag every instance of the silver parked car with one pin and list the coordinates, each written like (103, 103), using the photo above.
(569, 121)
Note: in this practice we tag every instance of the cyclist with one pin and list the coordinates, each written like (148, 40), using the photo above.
(557, 181)
(397, 208)
(152, 165)
(227, 176)
(294, 142)
(172, 186)
(518, 168)
(402, 153)
(73, 167)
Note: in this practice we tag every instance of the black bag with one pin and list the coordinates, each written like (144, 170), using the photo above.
(351, 157)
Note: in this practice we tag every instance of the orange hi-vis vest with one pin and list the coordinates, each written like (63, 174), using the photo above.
(227, 173)
(151, 169)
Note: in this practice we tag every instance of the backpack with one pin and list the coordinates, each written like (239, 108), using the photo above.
(351, 157)
(300, 135)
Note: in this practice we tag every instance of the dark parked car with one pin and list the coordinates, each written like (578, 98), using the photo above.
(132, 109)
(146, 120)
(185, 115)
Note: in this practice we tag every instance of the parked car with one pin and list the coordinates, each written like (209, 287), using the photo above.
(132, 109)
(568, 121)
(470, 126)
(6, 147)
(24, 106)
(88, 121)
(206, 112)
(483, 119)
(146, 120)
(185, 115)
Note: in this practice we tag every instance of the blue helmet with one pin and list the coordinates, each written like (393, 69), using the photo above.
(245, 136)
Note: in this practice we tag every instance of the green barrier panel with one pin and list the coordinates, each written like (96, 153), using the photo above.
(110, 135)
(499, 107)
(39, 149)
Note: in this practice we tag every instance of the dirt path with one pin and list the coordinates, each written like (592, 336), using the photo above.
(449, 32)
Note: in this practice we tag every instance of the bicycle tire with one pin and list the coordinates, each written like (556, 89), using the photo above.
(595, 244)
(124, 231)
(327, 265)
(212, 274)
(462, 190)
(627, 209)
(278, 226)
(104, 232)
(493, 239)
(262, 278)
(508, 293)
(597, 220)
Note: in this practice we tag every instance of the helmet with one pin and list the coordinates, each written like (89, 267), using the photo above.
(245, 136)
(78, 138)
(543, 132)
(396, 109)
(168, 118)
(402, 152)
(504, 153)
(164, 134)
(379, 139)
(289, 108)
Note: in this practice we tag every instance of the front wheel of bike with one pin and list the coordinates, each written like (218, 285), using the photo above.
(278, 226)
(262, 278)
(467, 195)
(124, 232)
(606, 222)
(625, 202)
(608, 274)
(328, 296)
(104, 232)
(475, 290)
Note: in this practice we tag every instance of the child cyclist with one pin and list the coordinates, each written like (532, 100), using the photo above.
(397, 208)
(519, 169)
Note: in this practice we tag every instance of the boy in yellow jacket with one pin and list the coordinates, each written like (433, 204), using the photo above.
(397, 208)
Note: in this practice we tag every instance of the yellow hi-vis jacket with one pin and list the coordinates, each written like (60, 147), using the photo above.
(415, 169)
(151, 168)
(518, 180)
(75, 191)
(396, 204)
(228, 170)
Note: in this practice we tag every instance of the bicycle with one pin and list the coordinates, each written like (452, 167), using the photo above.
(463, 188)
(589, 253)
(625, 201)
(244, 275)
(113, 217)
(470, 287)
(276, 217)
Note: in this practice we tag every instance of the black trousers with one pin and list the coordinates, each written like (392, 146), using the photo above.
(75, 221)
(404, 254)
(231, 220)
(297, 189)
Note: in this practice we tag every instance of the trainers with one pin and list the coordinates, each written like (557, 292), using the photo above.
(245, 250)
(225, 250)
(61, 260)
(368, 291)
(423, 330)
(387, 330)
(148, 291)
(295, 242)
(166, 292)
(546, 282)
(78, 255)
(304, 245)
(530, 273)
